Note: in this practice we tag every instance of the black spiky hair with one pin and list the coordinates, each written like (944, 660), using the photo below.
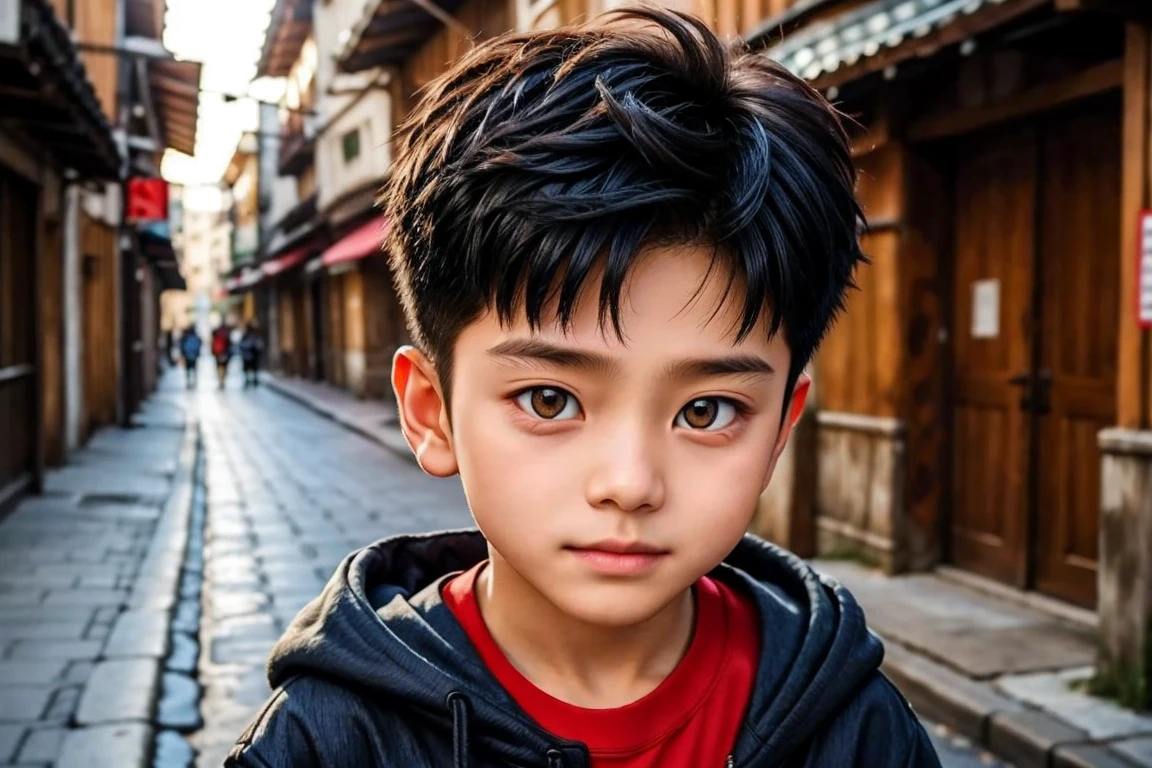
(540, 157)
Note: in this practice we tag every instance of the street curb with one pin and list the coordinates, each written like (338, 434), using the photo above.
(158, 581)
(394, 443)
(1026, 737)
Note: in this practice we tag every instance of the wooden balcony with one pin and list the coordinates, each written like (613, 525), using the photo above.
(297, 144)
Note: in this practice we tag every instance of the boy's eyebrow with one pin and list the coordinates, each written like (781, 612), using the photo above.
(595, 362)
(563, 357)
(728, 365)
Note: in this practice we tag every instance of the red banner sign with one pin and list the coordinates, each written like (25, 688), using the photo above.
(1144, 271)
(147, 200)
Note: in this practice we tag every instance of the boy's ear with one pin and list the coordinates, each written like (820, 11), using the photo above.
(795, 411)
(423, 412)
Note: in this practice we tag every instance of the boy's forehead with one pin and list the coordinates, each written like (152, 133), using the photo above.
(674, 295)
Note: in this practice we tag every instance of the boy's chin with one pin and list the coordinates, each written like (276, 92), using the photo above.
(615, 605)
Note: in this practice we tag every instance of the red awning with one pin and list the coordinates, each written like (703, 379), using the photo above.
(363, 241)
(285, 262)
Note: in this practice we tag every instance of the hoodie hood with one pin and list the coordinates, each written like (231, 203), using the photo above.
(381, 627)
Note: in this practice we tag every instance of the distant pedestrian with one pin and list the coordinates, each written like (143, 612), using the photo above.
(251, 350)
(222, 351)
(190, 350)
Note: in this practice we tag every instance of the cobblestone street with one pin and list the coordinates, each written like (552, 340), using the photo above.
(288, 495)
(140, 596)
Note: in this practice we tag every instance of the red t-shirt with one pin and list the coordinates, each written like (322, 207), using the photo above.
(689, 721)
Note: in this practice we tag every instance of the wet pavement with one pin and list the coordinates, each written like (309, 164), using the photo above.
(287, 495)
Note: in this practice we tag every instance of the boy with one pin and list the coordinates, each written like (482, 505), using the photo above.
(617, 246)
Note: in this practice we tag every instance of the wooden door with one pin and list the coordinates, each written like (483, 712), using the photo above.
(19, 422)
(1081, 282)
(995, 183)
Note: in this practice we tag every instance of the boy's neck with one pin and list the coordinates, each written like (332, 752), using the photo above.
(579, 663)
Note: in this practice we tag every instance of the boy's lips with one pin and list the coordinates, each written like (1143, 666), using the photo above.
(619, 558)
(618, 547)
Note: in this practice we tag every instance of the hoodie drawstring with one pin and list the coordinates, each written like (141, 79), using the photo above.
(458, 704)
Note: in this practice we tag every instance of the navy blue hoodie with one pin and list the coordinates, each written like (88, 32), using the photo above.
(377, 672)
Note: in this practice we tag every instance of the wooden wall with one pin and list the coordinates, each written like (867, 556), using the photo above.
(354, 331)
(729, 18)
(857, 368)
(484, 19)
(286, 313)
(51, 307)
(384, 326)
(878, 375)
(1134, 377)
(96, 23)
(98, 275)
(332, 329)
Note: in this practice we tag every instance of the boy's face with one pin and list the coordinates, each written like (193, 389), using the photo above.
(572, 445)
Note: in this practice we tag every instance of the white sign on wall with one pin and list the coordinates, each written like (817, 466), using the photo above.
(1144, 272)
(10, 22)
(986, 309)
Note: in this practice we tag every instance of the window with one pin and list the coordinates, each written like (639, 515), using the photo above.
(351, 144)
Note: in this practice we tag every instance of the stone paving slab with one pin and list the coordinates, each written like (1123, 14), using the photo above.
(118, 690)
(121, 745)
(10, 736)
(1138, 750)
(979, 635)
(139, 632)
(1057, 694)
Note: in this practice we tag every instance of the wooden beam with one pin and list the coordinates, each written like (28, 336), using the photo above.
(1099, 79)
(445, 18)
(1132, 395)
(1136, 10)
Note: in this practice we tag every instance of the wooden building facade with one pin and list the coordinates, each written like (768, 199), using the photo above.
(986, 403)
(70, 288)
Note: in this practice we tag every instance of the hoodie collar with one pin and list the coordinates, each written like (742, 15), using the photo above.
(381, 625)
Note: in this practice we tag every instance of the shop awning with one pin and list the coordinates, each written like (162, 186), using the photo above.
(176, 94)
(288, 28)
(285, 261)
(244, 280)
(365, 240)
(157, 250)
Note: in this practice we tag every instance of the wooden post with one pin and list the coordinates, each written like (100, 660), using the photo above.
(1133, 366)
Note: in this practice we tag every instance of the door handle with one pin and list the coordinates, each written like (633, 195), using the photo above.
(1037, 390)
(1043, 391)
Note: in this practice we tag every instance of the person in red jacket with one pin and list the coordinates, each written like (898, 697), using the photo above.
(617, 245)
(222, 351)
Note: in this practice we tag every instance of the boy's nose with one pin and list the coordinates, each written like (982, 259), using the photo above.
(626, 475)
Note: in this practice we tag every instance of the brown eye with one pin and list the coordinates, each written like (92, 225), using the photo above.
(706, 413)
(548, 403)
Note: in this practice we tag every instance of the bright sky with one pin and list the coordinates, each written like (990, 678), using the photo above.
(226, 35)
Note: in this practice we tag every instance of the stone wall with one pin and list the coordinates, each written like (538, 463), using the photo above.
(860, 509)
(1125, 575)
